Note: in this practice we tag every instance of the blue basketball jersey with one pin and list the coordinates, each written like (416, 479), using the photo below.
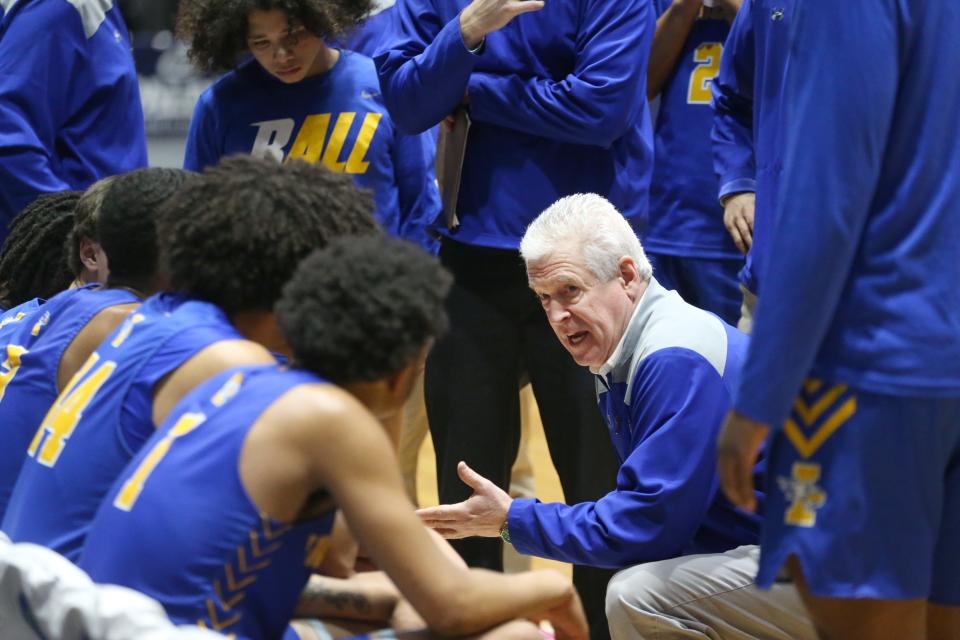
(686, 218)
(32, 349)
(17, 313)
(179, 525)
(102, 418)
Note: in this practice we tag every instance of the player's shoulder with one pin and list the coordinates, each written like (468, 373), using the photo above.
(63, 18)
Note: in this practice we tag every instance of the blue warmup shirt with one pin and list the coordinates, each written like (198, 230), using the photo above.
(664, 395)
(749, 126)
(103, 417)
(33, 348)
(336, 118)
(70, 109)
(685, 218)
(19, 312)
(211, 557)
(864, 287)
(557, 99)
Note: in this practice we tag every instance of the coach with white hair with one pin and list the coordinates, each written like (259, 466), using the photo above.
(664, 372)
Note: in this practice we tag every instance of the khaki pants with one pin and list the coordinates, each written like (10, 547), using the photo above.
(709, 596)
(747, 310)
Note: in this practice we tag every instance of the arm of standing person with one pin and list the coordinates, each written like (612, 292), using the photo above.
(664, 488)
(427, 61)
(732, 134)
(673, 28)
(35, 95)
(840, 116)
(596, 103)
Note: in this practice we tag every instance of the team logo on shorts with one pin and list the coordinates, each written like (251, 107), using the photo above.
(803, 493)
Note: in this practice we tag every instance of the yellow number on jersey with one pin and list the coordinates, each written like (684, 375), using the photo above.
(134, 485)
(63, 416)
(707, 57)
(10, 366)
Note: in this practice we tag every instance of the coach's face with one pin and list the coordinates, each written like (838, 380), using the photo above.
(588, 316)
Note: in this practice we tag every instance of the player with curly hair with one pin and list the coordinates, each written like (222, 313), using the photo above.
(46, 347)
(297, 97)
(277, 450)
(229, 240)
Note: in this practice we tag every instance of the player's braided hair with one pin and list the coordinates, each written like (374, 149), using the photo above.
(216, 30)
(236, 236)
(127, 224)
(32, 262)
(363, 308)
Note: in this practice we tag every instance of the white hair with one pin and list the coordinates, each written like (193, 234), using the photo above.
(591, 223)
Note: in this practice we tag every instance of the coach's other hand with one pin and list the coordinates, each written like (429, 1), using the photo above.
(481, 514)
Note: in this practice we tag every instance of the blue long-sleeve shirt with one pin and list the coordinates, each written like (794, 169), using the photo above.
(336, 118)
(663, 395)
(749, 127)
(864, 287)
(556, 98)
(70, 109)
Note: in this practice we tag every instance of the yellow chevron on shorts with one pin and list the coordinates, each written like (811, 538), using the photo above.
(831, 407)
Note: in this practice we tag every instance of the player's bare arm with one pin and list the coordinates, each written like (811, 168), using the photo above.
(323, 429)
(89, 338)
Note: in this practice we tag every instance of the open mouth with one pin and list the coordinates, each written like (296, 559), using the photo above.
(577, 338)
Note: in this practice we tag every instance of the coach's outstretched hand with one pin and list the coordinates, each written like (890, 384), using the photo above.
(481, 514)
(481, 17)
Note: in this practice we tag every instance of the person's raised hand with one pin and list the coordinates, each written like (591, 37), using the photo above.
(481, 17)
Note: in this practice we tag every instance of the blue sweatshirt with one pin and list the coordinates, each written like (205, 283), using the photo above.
(864, 288)
(557, 99)
(749, 130)
(336, 118)
(70, 109)
(685, 218)
(664, 394)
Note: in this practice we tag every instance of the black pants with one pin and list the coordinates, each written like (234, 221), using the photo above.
(498, 335)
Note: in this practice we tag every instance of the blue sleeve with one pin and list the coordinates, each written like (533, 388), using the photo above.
(419, 199)
(664, 488)
(423, 66)
(35, 64)
(839, 117)
(732, 134)
(597, 102)
(202, 149)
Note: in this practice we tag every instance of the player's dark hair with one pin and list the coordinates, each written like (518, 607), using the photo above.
(32, 263)
(127, 224)
(236, 236)
(216, 30)
(85, 222)
(363, 308)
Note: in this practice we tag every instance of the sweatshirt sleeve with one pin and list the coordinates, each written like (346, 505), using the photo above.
(732, 134)
(419, 199)
(202, 149)
(597, 102)
(665, 486)
(35, 68)
(839, 115)
(423, 67)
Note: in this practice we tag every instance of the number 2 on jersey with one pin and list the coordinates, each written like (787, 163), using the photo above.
(707, 57)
